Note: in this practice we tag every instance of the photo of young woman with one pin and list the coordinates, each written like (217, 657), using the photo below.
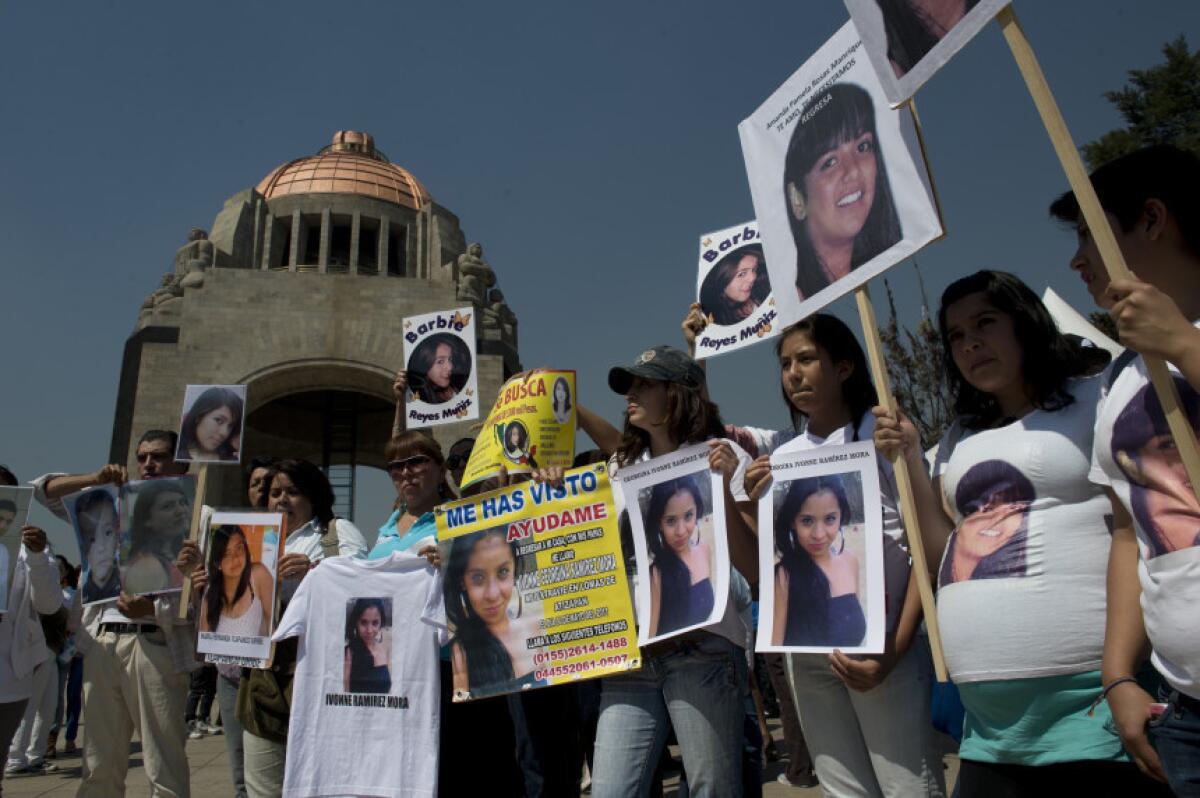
(516, 443)
(484, 614)
(736, 286)
(993, 499)
(94, 514)
(367, 665)
(438, 368)
(913, 27)
(240, 597)
(836, 188)
(817, 582)
(161, 518)
(678, 522)
(561, 400)
(211, 430)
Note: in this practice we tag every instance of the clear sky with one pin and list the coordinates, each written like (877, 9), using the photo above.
(585, 145)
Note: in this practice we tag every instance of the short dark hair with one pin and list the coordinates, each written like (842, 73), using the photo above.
(312, 484)
(151, 435)
(1161, 172)
(7, 477)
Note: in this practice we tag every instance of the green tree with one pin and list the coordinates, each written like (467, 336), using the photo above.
(1160, 105)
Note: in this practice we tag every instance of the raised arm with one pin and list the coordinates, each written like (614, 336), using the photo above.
(399, 389)
(60, 486)
(604, 435)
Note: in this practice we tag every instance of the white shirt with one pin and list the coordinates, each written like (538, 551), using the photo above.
(307, 541)
(360, 742)
(34, 589)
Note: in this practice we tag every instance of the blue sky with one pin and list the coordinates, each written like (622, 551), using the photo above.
(585, 145)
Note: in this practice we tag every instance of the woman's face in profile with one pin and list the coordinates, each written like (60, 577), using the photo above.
(103, 522)
(742, 283)
(678, 523)
(646, 403)
(839, 190)
(810, 379)
(233, 561)
(368, 625)
(989, 526)
(214, 428)
(488, 580)
(1169, 498)
(817, 524)
(442, 367)
(169, 517)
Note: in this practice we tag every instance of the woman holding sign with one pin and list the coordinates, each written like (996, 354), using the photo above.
(1023, 538)
(836, 188)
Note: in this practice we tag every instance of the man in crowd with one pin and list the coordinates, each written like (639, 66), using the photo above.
(137, 655)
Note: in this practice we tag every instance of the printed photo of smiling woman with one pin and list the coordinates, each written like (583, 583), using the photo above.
(212, 422)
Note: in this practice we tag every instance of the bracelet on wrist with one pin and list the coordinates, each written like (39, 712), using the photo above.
(1108, 689)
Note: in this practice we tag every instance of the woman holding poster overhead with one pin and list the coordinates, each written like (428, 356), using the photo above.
(836, 188)
(1023, 540)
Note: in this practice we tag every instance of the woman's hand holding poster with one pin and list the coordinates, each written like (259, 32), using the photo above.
(535, 587)
(820, 537)
(840, 186)
(439, 357)
(675, 503)
(238, 608)
(734, 291)
(531, 425)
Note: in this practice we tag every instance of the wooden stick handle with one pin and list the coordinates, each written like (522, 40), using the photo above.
(1097, 222)
(185, 598)
(908, 504)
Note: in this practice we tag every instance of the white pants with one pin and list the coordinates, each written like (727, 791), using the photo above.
(29, 745)
(263, 767)
(872, 744)
(130, 684)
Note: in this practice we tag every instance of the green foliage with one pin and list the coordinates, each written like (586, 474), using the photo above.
(1160, 105)
(914, 364)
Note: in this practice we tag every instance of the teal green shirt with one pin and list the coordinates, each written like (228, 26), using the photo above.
(1038, 721)
(390, 540)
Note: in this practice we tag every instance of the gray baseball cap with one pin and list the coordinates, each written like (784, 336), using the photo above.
(664, 363)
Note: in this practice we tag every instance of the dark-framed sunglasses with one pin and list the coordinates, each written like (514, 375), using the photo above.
(415, 463)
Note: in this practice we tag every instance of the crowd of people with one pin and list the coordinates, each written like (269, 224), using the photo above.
(1055, 515)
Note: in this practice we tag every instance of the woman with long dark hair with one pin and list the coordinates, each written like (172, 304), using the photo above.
(681, 589)
(836, 188)
(162, 516)
(1022, 536)
(735, 286)
(240, 602)
(368, 653)
(212, 428)
(561, 401)
(439, 368)
(913, 27)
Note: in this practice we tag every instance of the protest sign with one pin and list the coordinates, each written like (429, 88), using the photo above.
(535, 586)
(156, 516)
(439, 357)
(840, 186)
(734, 291)
(238, 608)
(211, 424)
(677, 514)
(14, 510)
(821, 540)
(531, 425)
(907, 41)
(97, 524)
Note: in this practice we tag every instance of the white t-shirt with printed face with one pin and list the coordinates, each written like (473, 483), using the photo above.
(1021, 590)
(1135, 455)
(365, 701)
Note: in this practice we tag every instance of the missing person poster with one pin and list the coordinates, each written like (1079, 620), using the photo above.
(677, 513)
(531, 425)
(440, 363)
(211, 424)
(907, 41)
(14, 511)
(535, 586)
(839, 181)
(820, 537)
(734, 291)
(97, 526)
(237, 608)
(156, 517)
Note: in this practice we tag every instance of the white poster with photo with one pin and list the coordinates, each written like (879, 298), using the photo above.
(676, 508)
(734, 291)
(820, 539)
(97, 522)
(156, 518)
(237, 610)
(908, 41)
(839, 182)
(14, 512)
(440, 364)
(211, 424)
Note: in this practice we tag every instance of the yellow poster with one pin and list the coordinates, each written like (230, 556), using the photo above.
(531, 425)
(534, 586)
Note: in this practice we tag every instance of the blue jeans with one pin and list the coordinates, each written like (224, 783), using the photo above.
(696, 687)
(1176, 737)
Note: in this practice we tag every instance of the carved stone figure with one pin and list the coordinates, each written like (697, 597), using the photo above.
(163, 300)
(194, 258)
(475, 277)
(499, 316)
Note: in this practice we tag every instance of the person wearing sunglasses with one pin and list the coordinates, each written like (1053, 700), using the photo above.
(418, 470)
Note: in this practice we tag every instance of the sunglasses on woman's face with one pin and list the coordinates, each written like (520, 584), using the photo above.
(409, 464)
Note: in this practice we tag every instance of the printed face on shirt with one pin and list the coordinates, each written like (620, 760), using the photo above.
(994, 499)
(488, 581)
(678, 525)
(368, 625)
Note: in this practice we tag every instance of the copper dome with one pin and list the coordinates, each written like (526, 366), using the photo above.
(349, 165)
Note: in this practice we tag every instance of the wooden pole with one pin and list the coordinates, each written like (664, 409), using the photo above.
(908, 504)
(185, 598)
(1097, 222)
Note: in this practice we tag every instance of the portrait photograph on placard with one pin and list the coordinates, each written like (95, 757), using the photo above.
(839, 182)
(909, 40)
(733, 290)
(367, 664)
(156, 516)
(14, 511)
(440, 367)
(211, 424)
(824, 551)
(97, 526)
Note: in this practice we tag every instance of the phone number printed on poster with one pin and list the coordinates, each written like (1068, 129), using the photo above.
(535, 586)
